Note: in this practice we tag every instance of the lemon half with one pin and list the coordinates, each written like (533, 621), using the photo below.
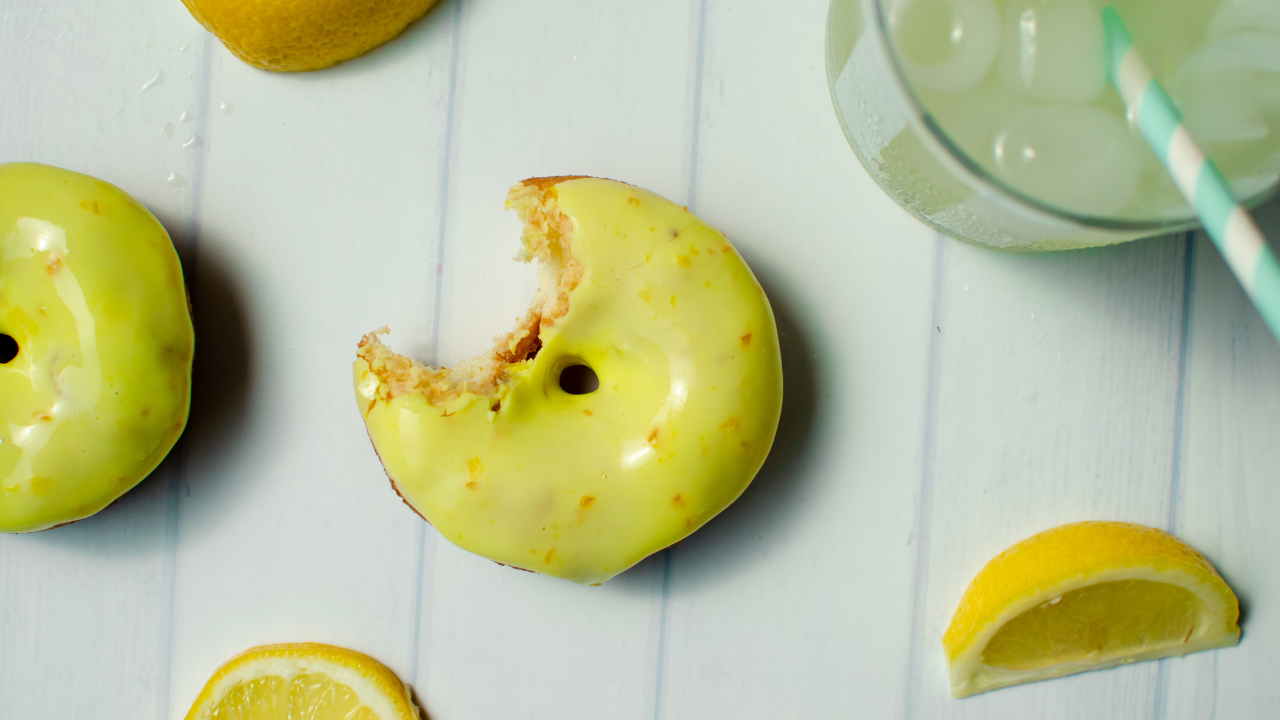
(303, 680)
(288, 36)
(1086, 596)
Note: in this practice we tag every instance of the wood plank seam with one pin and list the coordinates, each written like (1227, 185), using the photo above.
(178, 483)
(419, 671)
(924, 500)
(695, 135)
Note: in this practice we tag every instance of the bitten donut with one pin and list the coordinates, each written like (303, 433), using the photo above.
(96, 345)
(513, 457)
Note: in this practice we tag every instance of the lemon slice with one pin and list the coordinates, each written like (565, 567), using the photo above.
(1086, 596)
(303, 680)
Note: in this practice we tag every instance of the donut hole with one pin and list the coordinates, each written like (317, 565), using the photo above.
(579, 380)
(8, 349)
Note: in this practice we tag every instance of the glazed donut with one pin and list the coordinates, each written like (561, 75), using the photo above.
(96, 345)
(507, 459)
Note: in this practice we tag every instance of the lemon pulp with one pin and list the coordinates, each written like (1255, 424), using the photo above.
(309, 696)
(1086, 596)
(1098, 622)
(303, 681)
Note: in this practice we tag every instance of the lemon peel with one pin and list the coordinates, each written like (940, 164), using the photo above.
(1086, 596)
(303, 680)
(289, 36)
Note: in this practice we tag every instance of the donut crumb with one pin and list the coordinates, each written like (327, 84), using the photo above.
(546, 238)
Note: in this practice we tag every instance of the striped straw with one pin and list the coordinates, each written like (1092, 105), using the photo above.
(1232, 230)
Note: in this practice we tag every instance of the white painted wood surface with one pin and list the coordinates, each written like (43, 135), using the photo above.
(942, 401)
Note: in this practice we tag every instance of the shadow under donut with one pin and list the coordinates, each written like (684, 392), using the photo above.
(145, 515)
(222, 375)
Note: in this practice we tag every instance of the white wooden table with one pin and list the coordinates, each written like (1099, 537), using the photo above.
(942, 401)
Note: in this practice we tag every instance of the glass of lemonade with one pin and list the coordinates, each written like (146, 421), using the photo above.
(993, 120)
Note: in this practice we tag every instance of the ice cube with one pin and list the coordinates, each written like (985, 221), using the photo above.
(1235, 16)
(1053, 50)
(945, 44)
(1223, 116)
(1268, 94)
(1076, 157)
(1228, 62)
(1221, 89)
(1251, 50)
(972, 118)
(1254, 185)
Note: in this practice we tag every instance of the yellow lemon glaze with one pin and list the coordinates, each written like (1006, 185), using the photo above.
(582, 487)
(92, 291)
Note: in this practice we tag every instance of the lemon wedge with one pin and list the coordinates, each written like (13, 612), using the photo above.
(303, 680)
(1086, 596)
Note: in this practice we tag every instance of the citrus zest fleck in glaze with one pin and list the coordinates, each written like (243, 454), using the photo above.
(507, 464)
(92, 293)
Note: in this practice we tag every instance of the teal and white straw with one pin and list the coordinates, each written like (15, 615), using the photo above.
(1226, 221)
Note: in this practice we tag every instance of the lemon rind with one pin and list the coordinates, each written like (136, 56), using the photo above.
(290, 660)
(986, 678)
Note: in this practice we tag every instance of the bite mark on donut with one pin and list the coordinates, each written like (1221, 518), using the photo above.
(547, 238)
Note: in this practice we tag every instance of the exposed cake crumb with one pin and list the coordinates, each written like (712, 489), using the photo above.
(546, 238)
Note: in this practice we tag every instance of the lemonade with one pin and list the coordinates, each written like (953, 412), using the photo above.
(993, 119)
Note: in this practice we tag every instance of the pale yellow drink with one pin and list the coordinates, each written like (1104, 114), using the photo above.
(1015, 109)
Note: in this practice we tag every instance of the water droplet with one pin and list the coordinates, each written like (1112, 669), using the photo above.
(149, 44)
(185, 117)
(176, 181)
(194, 142)
(227, 108)
(157, 79)
(1056, 600)
(185, 48)
(169, 129)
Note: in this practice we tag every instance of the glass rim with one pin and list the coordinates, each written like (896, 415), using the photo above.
(934, 130)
